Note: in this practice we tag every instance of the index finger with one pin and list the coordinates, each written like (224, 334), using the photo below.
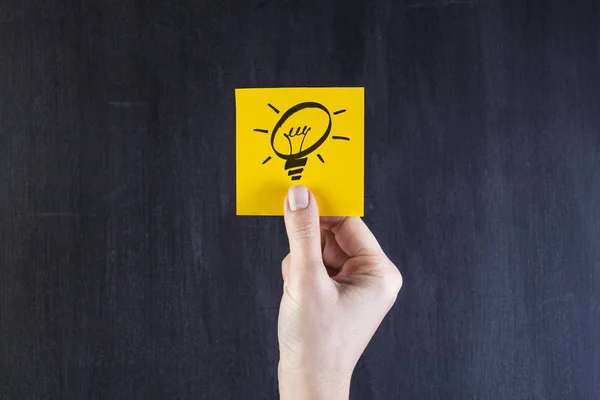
(353, 235)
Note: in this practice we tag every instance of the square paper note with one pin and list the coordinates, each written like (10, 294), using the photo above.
(308, 136)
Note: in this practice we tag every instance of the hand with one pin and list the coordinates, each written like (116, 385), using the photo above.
(338, 287)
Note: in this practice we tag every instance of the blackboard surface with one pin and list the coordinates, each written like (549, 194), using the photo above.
(124, 273)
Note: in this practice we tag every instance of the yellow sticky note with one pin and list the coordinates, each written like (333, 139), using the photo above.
(308, 136)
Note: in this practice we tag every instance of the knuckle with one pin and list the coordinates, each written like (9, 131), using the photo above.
(285, 266)
(393, 281)
(305, 230)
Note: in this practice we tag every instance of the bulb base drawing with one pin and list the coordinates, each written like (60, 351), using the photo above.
(295, 167)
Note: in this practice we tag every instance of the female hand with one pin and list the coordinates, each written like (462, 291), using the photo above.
(338, 287)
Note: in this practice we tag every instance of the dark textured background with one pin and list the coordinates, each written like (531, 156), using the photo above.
(124, 273)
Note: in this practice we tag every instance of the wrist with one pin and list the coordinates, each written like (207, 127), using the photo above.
(307, 385)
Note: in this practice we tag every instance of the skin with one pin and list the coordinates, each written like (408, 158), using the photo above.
(338, 287)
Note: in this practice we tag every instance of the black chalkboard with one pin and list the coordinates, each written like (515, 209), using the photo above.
(125, 274)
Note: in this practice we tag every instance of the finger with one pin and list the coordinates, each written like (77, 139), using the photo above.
(333, 255)
(285, 267)
(352, 235)
(301, 216)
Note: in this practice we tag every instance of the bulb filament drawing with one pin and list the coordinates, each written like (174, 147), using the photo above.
(295, 143)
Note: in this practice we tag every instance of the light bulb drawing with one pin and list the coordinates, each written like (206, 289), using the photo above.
(293, 138)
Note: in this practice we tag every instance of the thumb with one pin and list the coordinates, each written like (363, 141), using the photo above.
(304, 234)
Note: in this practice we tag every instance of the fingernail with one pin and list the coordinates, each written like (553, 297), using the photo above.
(298, 198)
